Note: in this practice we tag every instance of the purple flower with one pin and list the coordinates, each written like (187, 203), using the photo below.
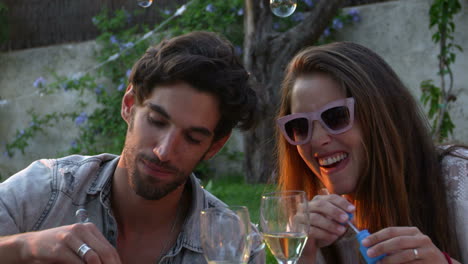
(98, 90)
(6, 154)
(79, 120)
(240, 12)
(39, 82)
(276, 25)
(297, 17)
(309, 3)
(64, 86)
(129, 16)
(337, 23)
(127, 45)
(113, 39)
(129, 71)
(95, 21)
(326, 32)
(121, 87)
(21, 132)
(32, 123)
(73, 144)
(210, 8)
(238, 50)
(167, 11)
(353, 12)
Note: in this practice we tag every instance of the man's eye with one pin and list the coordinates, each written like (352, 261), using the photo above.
(192, 140)
(156, 122)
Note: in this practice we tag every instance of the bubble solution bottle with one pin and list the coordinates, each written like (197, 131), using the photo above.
(361, 235)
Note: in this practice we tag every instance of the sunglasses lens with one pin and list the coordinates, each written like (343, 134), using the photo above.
(297, 129)
(336, 118)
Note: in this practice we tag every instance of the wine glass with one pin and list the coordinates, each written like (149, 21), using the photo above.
(225, 233)
(284, 224)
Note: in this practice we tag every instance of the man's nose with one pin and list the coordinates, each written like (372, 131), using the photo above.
(166, 148)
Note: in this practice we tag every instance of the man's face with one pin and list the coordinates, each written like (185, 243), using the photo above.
(168, 135)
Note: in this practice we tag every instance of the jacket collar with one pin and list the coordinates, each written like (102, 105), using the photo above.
(103, 179)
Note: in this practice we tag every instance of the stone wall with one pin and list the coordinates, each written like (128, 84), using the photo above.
(19, 70)
(399, 32)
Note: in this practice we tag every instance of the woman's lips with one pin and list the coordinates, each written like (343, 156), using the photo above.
(337, 166)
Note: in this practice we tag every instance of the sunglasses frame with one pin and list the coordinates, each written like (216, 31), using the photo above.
(317, 115)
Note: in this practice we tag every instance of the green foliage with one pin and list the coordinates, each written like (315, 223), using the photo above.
(232, 190)
(431, 94)
(3, 23)
(436, 98)
(36, 125)
(224, 17)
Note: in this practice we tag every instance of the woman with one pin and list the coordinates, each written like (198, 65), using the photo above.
(354, 139)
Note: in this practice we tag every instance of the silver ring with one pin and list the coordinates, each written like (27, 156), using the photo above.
(82, 250)
(416, 254)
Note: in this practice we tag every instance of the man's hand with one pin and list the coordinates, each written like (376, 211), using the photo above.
(59, 245)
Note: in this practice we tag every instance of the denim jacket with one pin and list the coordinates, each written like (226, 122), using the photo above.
(49, 192)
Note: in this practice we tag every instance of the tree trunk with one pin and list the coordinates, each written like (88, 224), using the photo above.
(266, 54)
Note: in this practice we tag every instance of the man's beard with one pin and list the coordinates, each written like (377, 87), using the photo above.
(145, 185)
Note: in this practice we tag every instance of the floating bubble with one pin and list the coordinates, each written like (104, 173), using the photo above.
(145, 3)
(81, 216)
(283, 8)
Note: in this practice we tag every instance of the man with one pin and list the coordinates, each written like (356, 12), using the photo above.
(184, 98)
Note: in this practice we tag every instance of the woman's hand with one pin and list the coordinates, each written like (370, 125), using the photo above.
(403, 245)
(327, 214)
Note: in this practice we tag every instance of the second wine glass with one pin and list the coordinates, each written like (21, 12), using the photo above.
(224, 234)
(284, 222)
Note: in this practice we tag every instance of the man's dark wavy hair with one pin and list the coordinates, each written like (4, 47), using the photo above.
(207, 62)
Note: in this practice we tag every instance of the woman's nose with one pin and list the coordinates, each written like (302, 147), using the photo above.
(320, 135)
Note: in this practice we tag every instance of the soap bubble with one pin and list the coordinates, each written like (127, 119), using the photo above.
(283, 8)
(145, 3)
(81, 216)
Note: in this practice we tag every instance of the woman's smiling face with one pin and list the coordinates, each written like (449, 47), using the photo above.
(336, 159)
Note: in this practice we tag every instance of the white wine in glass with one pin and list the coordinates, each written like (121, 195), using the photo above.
(284, 224)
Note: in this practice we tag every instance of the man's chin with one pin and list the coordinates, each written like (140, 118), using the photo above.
(152, 189)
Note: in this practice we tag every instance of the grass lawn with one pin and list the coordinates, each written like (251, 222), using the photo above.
(234, 191)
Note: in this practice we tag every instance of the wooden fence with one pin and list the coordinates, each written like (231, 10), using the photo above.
(33, 23)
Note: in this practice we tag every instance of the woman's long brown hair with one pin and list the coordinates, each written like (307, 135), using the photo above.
(401, 183)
